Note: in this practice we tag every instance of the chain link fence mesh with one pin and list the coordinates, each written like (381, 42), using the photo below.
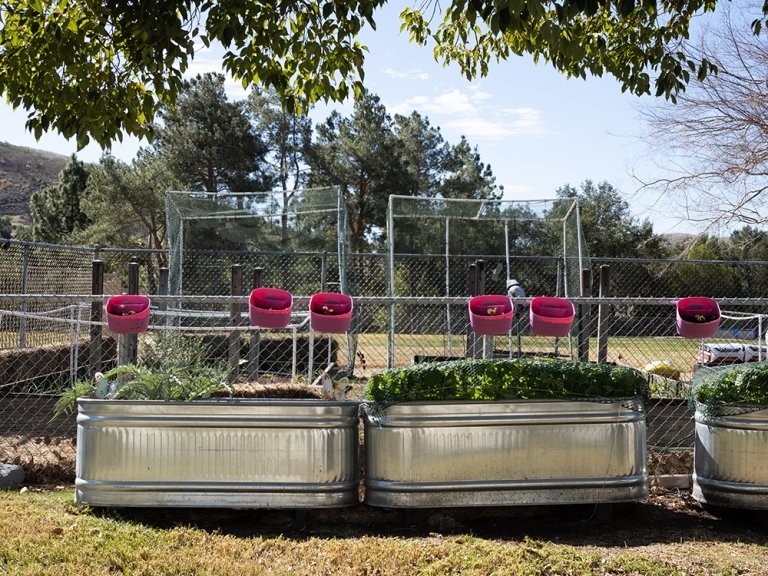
(48, 339)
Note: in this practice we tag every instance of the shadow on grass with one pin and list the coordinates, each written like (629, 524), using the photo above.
(661, 519)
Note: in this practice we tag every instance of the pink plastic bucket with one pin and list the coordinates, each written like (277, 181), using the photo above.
(697, 317)
(551, 316)
(270, 307)
(128, 314)
(490, 314)
(330, 312)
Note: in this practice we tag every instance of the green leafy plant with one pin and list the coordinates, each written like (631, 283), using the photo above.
(130, 382)
(68, 398)
(168, 349)
(516, 379)
(740, 383)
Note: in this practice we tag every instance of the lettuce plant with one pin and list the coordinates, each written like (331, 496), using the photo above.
(513, 379)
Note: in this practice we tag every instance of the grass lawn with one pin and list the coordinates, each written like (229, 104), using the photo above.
(44, 533)
(636, 352)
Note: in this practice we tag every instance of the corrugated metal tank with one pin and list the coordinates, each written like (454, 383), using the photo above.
(234, 453)
(730, 459)
(435, 454)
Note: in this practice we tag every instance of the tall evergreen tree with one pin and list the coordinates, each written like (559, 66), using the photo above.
(468, 176)
(360, 154)
(287, 137)
(126, 202)
(56, 210)
(126, 206)
(608, 226)
(208, 143)
(424, 154)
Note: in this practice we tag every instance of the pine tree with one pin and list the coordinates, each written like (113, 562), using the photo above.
(56, 210)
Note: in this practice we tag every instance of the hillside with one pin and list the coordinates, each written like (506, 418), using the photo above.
(24, 171)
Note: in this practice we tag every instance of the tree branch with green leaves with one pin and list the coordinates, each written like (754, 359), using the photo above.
(95, 70)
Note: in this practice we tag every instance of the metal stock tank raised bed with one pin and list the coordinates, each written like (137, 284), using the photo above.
(730, 456)
(505, 452)
(435, 454)
(234, 453)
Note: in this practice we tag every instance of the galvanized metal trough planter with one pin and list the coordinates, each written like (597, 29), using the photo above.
(730, 458)
(232, 453)
(520, 452)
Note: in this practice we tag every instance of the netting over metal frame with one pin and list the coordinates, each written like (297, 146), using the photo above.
(245, 217)
(533, 214)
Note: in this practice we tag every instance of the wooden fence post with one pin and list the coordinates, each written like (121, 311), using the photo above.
(603, 314)
(585, 316)
(97, 307)
(255, 345)
(236, 289)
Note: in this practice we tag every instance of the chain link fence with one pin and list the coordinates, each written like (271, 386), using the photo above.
(53, 331)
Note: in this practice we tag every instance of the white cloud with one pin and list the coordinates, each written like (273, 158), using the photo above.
(524, 120)
(472, 113)
(453, 103)
(479, 129)
(233, 88)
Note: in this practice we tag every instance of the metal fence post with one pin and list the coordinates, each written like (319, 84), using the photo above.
(97, 306)
(323, 271)
(236, 289)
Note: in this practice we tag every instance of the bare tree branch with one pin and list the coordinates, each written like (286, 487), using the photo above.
(713, 144)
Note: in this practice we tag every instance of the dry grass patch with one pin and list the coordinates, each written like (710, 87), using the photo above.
(44, 533)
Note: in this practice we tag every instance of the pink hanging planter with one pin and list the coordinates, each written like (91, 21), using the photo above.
(128, 314)
(270, 307)
(490, 314)
(330, 312)
(697, 317)
(551, 316)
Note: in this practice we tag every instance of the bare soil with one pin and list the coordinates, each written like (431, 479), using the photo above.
(45, 459)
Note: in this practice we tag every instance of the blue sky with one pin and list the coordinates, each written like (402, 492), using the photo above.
(537, 129)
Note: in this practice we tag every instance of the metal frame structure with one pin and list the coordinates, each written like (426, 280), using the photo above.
(230, 207)
(460, 214)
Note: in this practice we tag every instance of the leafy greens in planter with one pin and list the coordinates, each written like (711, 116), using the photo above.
(736, 384)
(515, 379)
(142, 383)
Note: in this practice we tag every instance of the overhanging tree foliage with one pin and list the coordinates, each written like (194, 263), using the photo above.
(95, 70)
